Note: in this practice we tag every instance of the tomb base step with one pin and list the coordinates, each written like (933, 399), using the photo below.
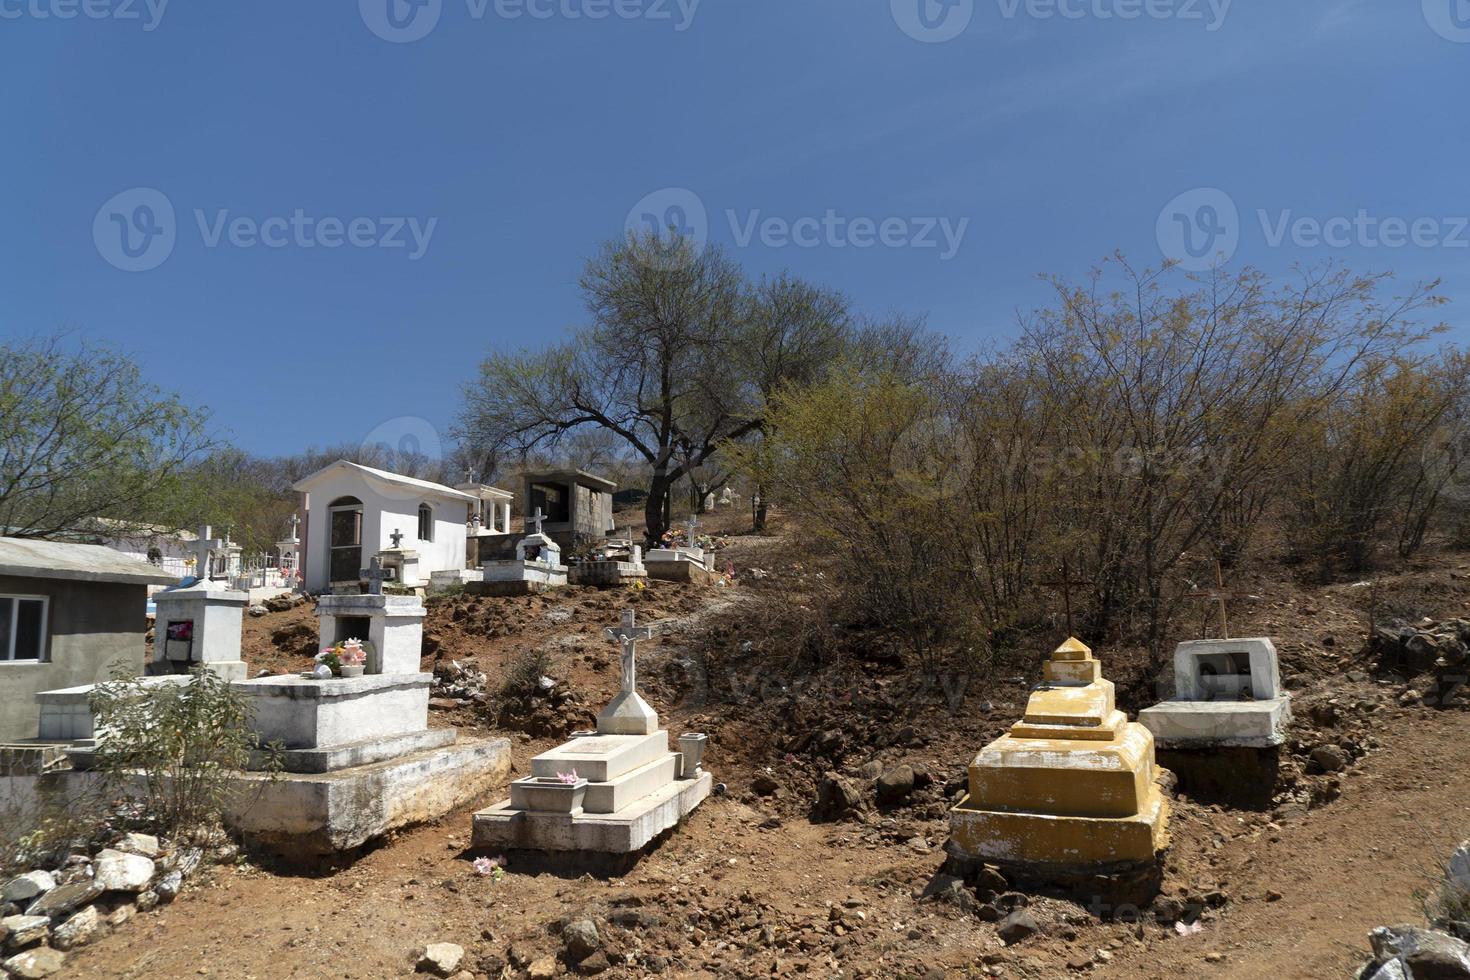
(1202, 724)
(621, 791)
(601, 758)
(360, 753)
(691, 572)
(607, 574)
(309, 816)
(503, 590)
(1059, 843)
(629, 830)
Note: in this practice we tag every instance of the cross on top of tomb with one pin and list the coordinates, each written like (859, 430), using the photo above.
(204, 550)
(537, 519)
(376, 575)
(1066, 585)
(630, 633)
(692, 524)
(1219, 595)
(295, 525)
(472, 474)
(397, 537)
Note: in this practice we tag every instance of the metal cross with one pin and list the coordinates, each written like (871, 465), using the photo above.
(397, 537)
(630, 634)
(376, 575)
(204, 550)
(1066, 585)
(536, 520)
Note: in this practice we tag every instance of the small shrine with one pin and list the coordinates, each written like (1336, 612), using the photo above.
(1073, 787)
(536, 567)
(199, 622)
(607, 792)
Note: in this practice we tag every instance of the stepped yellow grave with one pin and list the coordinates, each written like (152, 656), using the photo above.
(1073, 785)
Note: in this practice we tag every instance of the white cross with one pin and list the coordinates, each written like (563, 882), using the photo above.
(536, 520)
(204, 550)
(691, 525)
(295, 523)
(473, 474)
(376, 575)
(630, 634)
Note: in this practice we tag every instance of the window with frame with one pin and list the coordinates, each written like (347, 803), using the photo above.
(22, 628)
(426, 522)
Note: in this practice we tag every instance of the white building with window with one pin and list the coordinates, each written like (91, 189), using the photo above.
(69, 613)
(353, 512)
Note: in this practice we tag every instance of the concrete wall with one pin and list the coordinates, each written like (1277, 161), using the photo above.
(90, 626)
(385, 506)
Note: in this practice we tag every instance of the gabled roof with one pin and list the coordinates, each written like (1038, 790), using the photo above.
(30, 558)
(382, 476)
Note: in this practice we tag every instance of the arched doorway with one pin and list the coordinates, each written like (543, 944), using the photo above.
(344, 544)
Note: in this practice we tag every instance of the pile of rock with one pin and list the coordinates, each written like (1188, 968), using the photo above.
(285, 602)
(1440, 952)
(1438, 652)
(457, 685)
(45, 913)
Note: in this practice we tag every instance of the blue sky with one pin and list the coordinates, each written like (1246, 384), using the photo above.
(923, 156)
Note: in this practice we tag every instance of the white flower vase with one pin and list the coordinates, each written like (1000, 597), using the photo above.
(353, 670)
(692, 747)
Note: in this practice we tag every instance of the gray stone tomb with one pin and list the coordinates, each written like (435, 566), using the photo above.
(1226, 693)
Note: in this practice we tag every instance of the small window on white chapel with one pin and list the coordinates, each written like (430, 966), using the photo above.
(22, 627)
(426, 522)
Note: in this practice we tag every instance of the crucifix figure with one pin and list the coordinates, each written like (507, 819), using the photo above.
(204, 550)
(537, 519)
(397, 537)
(628, 713)
(1066, 585)
(630, 633)
(376, 575)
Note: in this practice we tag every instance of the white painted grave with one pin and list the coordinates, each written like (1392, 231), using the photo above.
(536, 567)
(1226, 693)
(611, 791)
(200, 623)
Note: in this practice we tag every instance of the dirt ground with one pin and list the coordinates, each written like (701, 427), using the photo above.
(749, 886)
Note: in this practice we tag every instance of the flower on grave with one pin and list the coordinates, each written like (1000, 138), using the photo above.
(490, 867)
(568, 778)
(351, 653)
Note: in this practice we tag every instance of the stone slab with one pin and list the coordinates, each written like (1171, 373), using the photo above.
(601, 758)
(607, 574)
(627, 831)
(301, 816)
(623, 791)
(359, 753)
(691, 572)
(311, 714)
(1245, 724)
(523, 571)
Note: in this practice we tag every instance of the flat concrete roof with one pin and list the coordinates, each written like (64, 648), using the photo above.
(30, 558)
(573, 476)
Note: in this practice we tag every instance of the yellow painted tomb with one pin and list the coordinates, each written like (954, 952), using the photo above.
(1073, 785)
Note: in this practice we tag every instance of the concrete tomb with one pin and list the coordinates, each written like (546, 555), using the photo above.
(1072, 787)
(200, 622)
(687, 563)
(536, 567)
(578, 506)
(619, 561)
(393, 625)
(1227, 693)
(608, 792)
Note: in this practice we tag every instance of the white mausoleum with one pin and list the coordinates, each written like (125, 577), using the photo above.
(353, 513)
